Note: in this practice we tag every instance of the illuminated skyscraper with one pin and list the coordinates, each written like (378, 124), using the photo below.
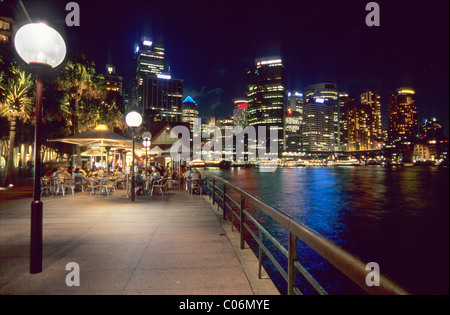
(148, 62)
(293, 122)
(359, 119)
(346, 100)
(373, 100)
(189, 111)
(240, 113)
(321, 118)
(155, 92)
(266, 96)
(402, 110)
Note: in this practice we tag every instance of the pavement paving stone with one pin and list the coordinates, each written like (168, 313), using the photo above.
(172, 244)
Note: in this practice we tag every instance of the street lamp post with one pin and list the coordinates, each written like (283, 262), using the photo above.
(42, 48)
(133, 120)
(146, 136)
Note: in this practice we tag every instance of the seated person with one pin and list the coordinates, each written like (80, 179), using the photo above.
(155, 175)
(61, 173)
(80, 170)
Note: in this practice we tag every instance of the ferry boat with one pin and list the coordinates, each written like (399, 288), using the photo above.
(349, 162)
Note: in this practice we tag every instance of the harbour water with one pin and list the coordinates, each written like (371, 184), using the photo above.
(397, 217)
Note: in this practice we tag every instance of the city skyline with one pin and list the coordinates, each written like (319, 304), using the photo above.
(210, 45)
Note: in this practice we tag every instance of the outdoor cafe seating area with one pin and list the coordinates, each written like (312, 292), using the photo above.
(105, 185)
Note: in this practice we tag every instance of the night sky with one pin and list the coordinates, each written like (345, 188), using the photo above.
(210, 44)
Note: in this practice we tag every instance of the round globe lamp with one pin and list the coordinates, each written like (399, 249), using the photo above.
(42, 48)
(133, 120)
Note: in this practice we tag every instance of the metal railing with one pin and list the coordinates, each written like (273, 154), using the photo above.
(220, 191)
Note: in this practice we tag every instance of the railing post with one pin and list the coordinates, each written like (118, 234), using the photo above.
(292, 257)
(214, 190)
(259, 254)
(242, 227)
(224, 217)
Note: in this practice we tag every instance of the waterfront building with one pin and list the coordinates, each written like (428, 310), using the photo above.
(402, 111)
(266, 97)
(346, 100)
(321, 118)
(189, 111)
(293, 122)
(431, 129)
(240, 113)
(372, 99)
(359, 132)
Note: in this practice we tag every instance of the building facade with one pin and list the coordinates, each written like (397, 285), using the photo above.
(359, 127)
(155, 92)
(240, 113)
(293, 122)
(266, 97)
(372, 99)
(346, 101)
(321, 118)
(113, 82)
(402, 109)
(162, 98)
(189, 111)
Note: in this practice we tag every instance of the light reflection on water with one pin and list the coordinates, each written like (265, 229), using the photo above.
(397, 217)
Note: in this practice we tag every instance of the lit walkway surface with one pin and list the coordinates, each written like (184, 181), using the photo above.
(173, 244)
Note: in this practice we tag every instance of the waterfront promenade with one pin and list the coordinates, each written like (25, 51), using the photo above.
(174, 244)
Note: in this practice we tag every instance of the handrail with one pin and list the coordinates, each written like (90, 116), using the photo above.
(351, 266)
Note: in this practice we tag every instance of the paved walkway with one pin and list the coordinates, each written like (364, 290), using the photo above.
(173, 244)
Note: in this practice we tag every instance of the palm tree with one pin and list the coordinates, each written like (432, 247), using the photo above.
(16, 103)
(76, 81)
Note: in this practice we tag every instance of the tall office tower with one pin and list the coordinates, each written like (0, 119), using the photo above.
(113, 82)
(189, 111)
(266, 97)
(293, 121)
(162, 98)
(346, 100)
(148, 62)
(402, 111)
(155, 93)
(321, 118)
(373, 100)
(240, 113)
(359, 127)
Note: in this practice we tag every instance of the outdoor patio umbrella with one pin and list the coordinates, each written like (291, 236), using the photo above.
(99, 137)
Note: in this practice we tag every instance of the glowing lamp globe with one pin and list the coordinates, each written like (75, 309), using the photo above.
(38, 43)
(133, 119)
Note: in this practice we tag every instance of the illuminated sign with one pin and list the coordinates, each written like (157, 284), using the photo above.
(164, 76)
(268, 62)
(242, 105)
(320, 100)
(406, 92)
(147, 43)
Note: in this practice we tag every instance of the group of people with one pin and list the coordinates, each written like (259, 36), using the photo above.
(62, 172)
(153, 173)
(189, 176)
